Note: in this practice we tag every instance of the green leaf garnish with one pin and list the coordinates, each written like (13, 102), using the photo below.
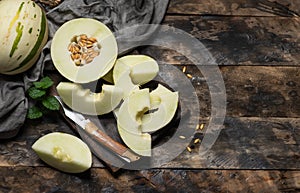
(51, 103)
(44, 83)
(34, 113)
(35, 93)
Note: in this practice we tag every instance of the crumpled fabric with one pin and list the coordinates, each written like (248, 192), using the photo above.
(116, 14)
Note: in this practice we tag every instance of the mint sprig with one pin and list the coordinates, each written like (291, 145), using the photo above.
(34, 113)
(44, 83)
(36, 93)
(39, 92)
(51, 103)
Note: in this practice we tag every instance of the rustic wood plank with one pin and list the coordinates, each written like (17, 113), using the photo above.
(261, 91)
(236, 40)
(244, 143)
(41, 179)
(234, 7)
(248, 143)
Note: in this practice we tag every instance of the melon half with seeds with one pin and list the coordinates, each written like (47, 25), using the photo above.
(23, 34)
(83, 50)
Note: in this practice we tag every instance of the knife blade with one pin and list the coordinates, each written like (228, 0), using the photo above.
(92, 129)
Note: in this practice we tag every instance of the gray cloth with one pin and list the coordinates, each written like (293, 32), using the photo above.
(116, 14)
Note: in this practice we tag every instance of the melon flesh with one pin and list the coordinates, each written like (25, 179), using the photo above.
(165, 103)
(87, 102)
(101, 64)
(124, 81)
(64, 152)
(132, 109)
(129, 122)
(142, 68)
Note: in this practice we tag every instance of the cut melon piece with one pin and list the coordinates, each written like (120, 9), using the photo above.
(64, 152)
(65, 57)
(164, 103)
(23, 34)
(124, 81)
(129, 122)
(142, 68)
(132, 110)
(87, 102)
(139, 143)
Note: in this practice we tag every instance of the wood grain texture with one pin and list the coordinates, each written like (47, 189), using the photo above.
(247, 143)
(236, 40)
(235, 7)
(244, 143)
(261, 91)
(41, 179)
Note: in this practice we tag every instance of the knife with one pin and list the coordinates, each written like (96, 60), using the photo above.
(97, 134)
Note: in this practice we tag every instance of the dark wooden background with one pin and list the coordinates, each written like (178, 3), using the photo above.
(257, 45)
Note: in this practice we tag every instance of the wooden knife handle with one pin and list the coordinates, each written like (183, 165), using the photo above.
(105, 140)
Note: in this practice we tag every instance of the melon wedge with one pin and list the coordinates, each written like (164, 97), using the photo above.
(64, 152)
(100, 65)
(164, 103)
(129, 122)
(87, 102)
(142, 68)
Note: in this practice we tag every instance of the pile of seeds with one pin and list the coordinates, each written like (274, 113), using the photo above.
(83, 50)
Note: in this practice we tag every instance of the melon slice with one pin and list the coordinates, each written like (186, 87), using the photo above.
(124, 82)
(87, 102)
(164, 104)
(65, 43)
(139, 143)
(142, 68)
(64, 152)
(129, 122)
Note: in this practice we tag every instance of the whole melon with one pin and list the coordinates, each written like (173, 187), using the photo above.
(23, 34)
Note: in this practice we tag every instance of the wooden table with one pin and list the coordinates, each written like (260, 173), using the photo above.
(257, 47)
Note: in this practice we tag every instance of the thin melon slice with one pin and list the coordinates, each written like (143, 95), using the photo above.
(139, 143)
(124, 81)
(64, 152)
(100, 64)
(87, 102)
(132, 109)
(129, 122)
(164, 103)
(142, 68)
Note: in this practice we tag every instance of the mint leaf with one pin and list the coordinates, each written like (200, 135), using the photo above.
(44, 83)
(34, 113)
(51, 103)
(35, 93)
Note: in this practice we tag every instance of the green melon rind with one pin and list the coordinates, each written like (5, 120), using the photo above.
(32, 57)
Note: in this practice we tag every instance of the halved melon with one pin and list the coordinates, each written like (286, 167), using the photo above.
(87, 102)
(64, 152)
(83, 50)
(23, 34)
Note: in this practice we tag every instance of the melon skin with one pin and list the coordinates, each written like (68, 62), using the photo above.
(24, 33)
